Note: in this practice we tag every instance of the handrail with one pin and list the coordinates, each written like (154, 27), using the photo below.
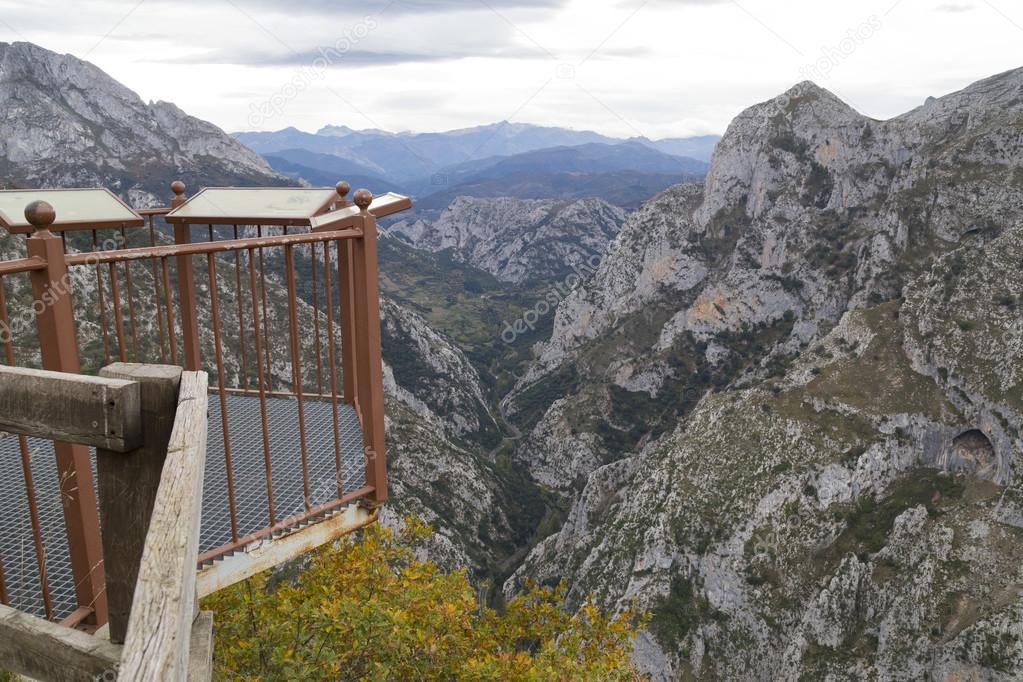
(29, 264)
(73, 408)
(201, 248)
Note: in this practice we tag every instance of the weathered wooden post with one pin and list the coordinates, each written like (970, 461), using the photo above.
(346, 304)
(367, 331)
(186, 287)
(128, 482)
(163, 621)
(59, 350)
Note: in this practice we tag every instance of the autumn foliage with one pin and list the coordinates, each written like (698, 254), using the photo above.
(369, 609)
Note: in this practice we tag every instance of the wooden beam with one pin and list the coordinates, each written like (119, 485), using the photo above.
(273, 551)
(70, 408)
(42, 650)
(159, 630)
(127, 484)
(200, 656)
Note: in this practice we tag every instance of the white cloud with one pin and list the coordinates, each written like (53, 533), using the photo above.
(663, 67)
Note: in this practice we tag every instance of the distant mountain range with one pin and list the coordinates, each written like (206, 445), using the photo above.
(407, 156)
(503, 159)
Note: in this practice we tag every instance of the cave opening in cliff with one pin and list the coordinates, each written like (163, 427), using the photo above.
(972, 451)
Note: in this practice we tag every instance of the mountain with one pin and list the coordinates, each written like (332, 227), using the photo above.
(700, 147)
(65, 122)
(404, 157)
(626, 189)
(594, 157)
(518, 240)
(787, 408)
(626, 174)
(324, 170)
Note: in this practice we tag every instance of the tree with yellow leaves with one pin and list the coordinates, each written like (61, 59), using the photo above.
(368, 609)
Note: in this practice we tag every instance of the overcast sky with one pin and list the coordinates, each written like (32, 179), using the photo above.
(621, 67)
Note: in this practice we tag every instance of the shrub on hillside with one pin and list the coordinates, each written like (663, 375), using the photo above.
(369, 609)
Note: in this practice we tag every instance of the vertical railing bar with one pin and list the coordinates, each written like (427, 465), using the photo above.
(241, 314)
(115, 296)
(316, 320)
(102, 301)
(262, 387)
(296, 366)
(346, 321)
(156, 293)
(215, 314)
(131, 302)
(169, 296)
(26, 468)
(329, 304)
(266, 316)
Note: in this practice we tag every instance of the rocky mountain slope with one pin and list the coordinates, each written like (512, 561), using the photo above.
(518, 240)
(66, 123)
(788, 406)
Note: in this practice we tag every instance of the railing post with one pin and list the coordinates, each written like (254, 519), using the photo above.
(128, 483)
(367, 330)
(186, 287)
(59, 351)
(346, 304)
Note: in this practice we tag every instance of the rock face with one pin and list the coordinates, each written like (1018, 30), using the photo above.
(66, 123)
(432, 376)
(518, 240)
(788, 406)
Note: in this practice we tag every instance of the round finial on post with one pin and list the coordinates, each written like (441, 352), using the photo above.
(363, 198)
(343, 188)
(179, 198)
(40, 215)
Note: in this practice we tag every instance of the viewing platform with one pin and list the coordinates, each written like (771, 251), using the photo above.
(273, 294)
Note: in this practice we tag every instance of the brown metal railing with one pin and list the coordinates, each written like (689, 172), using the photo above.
(214, 304)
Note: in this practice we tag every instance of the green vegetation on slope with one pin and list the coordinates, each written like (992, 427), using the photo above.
(368, 609)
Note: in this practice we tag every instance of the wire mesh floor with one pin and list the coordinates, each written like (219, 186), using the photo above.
(17, 548)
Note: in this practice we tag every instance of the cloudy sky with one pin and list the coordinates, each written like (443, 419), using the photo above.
(622, 67)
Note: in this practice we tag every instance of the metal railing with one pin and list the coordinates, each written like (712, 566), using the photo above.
(272, 312)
